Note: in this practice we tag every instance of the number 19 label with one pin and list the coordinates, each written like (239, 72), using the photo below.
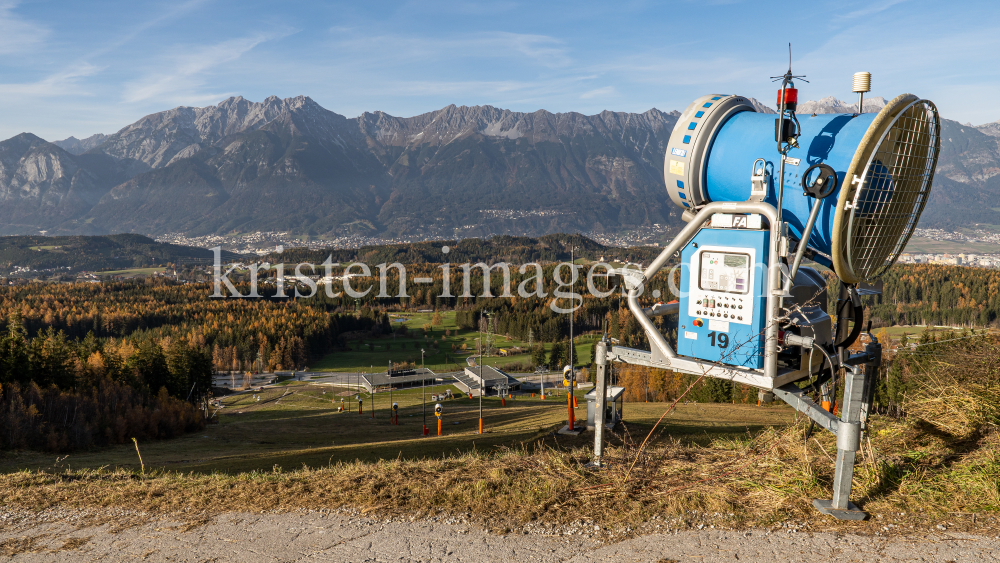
(719, 339)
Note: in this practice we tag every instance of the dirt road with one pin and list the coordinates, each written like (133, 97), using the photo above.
(119, 535)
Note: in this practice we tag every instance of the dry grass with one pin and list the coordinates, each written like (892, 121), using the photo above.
(753, 481)
(960, 409)
(957, 390)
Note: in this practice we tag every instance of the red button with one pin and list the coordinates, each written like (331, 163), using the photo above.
(698, 322)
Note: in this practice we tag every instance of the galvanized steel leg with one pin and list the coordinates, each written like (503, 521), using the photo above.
(600, 402)
(848, 441)
(874, 351)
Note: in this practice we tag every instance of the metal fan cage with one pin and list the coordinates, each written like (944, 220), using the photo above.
(894, 191)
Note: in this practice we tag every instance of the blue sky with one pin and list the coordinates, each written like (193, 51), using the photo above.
(77, 68)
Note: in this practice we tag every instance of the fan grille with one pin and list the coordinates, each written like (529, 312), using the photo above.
(894, 191)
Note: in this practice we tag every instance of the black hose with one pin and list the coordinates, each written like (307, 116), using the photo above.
(859, 313)
(828, 358)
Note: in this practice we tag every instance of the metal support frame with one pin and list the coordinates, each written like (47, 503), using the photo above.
(663, 355)
(601, 400)
(859, 369)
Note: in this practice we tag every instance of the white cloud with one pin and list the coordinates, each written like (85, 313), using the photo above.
(872, 9)
(599, 93)
(62, 83)
(172, 12)
(541, 49)
(184, 74)
(18, 35)
(460, 7)
(651, 68)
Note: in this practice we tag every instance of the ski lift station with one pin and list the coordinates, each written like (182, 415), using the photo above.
(399, 379)
(761, 193)
(485, 379)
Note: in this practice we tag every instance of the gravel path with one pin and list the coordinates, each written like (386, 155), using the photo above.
(119, 535)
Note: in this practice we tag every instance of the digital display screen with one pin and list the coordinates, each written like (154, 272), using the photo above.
(735, 260)
(725, 272)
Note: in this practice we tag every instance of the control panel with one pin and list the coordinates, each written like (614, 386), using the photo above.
(723, 296)
(723, 283)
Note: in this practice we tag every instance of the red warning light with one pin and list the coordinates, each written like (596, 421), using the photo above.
(791, 98)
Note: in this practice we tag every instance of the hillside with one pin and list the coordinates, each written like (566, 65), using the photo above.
(96, 252)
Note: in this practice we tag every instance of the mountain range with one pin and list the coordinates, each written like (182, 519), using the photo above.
(292, 165)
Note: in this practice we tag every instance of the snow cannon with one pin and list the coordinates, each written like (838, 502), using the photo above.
(723, 149)
(761, 193)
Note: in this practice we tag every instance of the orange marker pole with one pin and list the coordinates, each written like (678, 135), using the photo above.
(480, 426)
(569, 405)
(439, 427)
(503, 401)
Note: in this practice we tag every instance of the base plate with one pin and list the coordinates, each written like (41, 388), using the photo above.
(852, 512)
(576, 431)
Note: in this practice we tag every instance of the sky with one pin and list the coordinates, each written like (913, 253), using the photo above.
(79, 68)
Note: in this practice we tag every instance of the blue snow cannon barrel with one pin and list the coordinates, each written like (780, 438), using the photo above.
(884, 162)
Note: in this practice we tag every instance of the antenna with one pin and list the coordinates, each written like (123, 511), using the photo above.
(786, 128)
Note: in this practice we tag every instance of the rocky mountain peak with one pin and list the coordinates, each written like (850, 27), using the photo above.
(991, 129)
(73, 145)
(830, 104)
(21, 142)
(158, 139)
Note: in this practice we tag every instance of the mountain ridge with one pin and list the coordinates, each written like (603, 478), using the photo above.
(290, 164)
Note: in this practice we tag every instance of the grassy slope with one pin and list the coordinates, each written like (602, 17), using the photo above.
(303, 427)
(408, 349)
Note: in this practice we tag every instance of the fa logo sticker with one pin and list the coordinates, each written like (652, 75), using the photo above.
(739, 221)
